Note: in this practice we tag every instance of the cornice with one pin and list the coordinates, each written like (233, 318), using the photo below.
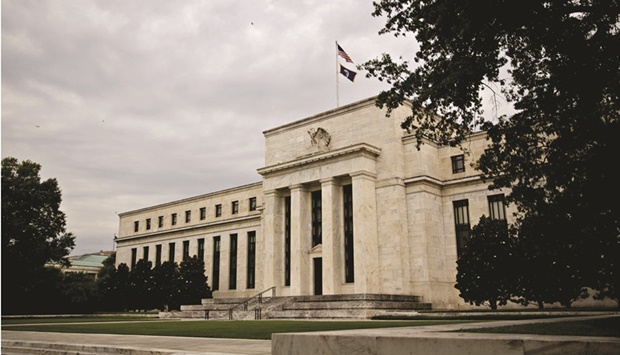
(362, 148)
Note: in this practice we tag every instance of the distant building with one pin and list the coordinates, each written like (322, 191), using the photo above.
(347, 205)
(87, 263)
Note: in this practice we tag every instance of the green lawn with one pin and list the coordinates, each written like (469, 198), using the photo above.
(208, 329)
(140, 325)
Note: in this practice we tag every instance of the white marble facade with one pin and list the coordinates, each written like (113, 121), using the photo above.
(403, 225)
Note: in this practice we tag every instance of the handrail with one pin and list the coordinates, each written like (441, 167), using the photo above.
(247, 300)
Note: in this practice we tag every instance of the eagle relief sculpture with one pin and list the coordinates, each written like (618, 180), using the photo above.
(319, 138)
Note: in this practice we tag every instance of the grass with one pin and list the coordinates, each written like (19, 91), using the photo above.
(137, 325)
(207, 329)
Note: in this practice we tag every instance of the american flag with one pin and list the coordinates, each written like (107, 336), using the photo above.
(344, 54)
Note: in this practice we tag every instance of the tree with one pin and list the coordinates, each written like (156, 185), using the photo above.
(79, 293)
(166, 286)
(141, 284)
(193, 281)
(33, 231)
(107, 285)
(553, 248)
(556, 152)
(487, 267)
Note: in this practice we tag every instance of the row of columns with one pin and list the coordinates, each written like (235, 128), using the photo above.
(332, 250)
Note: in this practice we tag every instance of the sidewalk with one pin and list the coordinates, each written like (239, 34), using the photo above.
(136, 344)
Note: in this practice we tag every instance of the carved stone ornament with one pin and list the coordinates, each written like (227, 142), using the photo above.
(319, 137)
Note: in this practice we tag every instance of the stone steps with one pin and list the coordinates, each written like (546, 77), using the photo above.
(379, 305)
(347, 306)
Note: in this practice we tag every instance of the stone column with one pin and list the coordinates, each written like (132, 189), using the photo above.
(300, 241)
(272, 243)
(365, 239)
(332, 235)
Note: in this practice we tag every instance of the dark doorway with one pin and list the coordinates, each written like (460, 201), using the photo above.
(318, 276)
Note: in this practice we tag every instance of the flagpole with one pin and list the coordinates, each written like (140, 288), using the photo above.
(337, 72)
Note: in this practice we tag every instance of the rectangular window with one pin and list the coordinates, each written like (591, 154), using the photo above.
(461, 223)
(216, 264)
(160, 221)
(203, 213)
(251, 258)
(148, 224)
(134, 256)
(136, 226)
(158, 255)
(347, 198)
(458, 164)
(188, 216)
(252, 203)
(171, 252)
(497, 208)
(218, 210)
(232, 278)
(235, 207)
(174, 219)
(185, 249)
(287, 241)
(201, 249)
(317, 228)
(145, 254)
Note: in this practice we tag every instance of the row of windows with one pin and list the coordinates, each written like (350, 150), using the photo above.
(215, 282)
(497, 210)
(188, 215)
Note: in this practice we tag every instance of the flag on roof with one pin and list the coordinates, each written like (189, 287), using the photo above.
(350, 74)
(344, 54)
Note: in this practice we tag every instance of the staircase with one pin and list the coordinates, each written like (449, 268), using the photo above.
(348, 306)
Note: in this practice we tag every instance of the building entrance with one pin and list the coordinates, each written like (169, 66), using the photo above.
(318, 276)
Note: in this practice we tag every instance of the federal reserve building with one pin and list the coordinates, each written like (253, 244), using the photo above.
(344, 205)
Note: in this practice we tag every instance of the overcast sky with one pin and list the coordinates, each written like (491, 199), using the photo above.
(133, 103)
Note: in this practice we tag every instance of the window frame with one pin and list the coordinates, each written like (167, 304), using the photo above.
(251, 261)
(216, 263)
(252, 204)
(201, 249)
(232, 261)
(145, 253)
(348, 231)
(171, 251)
(497, 207)
(462, 224)
(234, 208)
(316, 217)
(458, 163)
(186, 250)
(157, 254)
